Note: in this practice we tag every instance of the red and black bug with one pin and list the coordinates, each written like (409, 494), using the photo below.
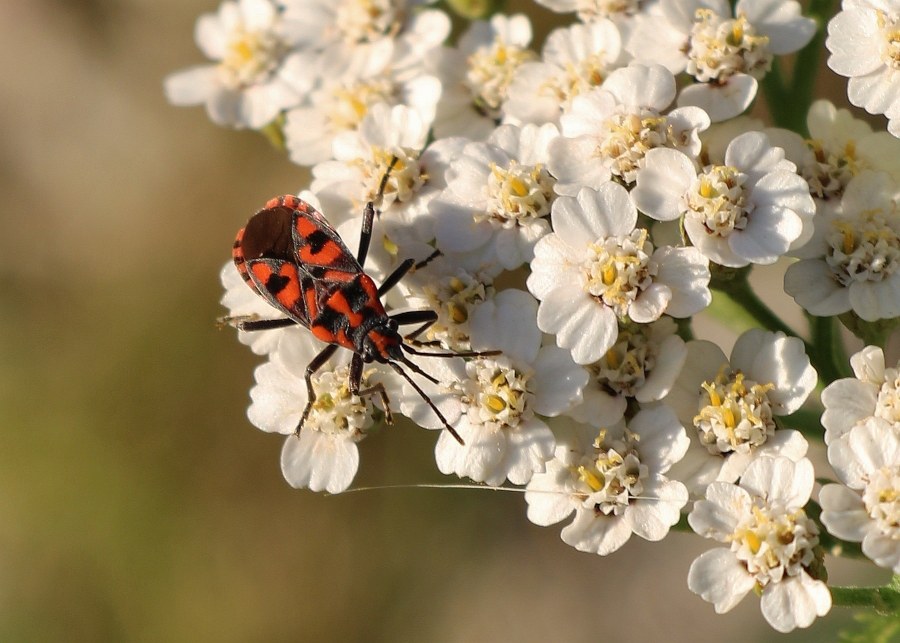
(292, 257)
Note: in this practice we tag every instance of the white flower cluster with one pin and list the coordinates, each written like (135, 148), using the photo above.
(570, 207)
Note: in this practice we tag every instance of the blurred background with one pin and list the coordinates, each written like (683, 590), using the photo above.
(137, 503)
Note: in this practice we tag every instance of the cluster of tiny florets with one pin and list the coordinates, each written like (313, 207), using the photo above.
(560, 211)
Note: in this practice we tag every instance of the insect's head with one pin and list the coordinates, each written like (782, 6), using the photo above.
(383, 343)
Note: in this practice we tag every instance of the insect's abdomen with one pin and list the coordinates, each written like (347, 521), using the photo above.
(240, 262)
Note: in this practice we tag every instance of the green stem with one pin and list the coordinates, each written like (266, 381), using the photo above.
(685, 328)
(274, 133)
(830, 356)
(885, 600)
(789, 102)
(807, 421)
(807, 64)
(739, 296)
(740, 307)
(776, 96)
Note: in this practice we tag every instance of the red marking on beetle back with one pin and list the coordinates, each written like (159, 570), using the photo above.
(290, 294)
(312, 304)
(327, 254)
(381, 342)
(305, 227)
(339, 303)
(261, 271)
(371, 293)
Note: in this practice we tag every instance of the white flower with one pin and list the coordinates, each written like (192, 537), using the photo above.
(252, 81)
(642, 365)
(453, 293)
(613, 480)
(574, 59)
(854, 254)
(609, 130)
(346, 84)
(862, 39)
(324, 455)
(476, 75)
(596, 268)
(749, 210)
(772, 544)
(591, 10)
(502, 396)
(867, 510)
(730, 407)
(726, 55)
(389, 142)
(874, 392)
(839, 147)
(498, 196)
(351, 23)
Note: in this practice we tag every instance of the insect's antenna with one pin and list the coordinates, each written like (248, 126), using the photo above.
(413, 351)
(427, 399)
(417, 370)
(385, 177)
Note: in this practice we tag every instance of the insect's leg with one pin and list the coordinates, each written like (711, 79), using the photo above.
(424, 317)
(405, 267)
(396, 276)
(356, 368)
(265, 324)
(317, 363)
(365, 235)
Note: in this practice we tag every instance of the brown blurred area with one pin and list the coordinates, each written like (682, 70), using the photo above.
(137, 503)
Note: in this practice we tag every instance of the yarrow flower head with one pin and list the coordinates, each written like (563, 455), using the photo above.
(772, 545)
(873, 392)
(839, 148)
(855, 254)
(454, 293)
(254, 77)
(389, 143)
(502, 398)
(574, 60)
(864, 41)
(498, 197)
(613, 480)
(323, 456)
(349, 23)
(867, 509)
(476, 75)
(751, 209)
(608, 131)
(730, 406)
(726, 55)
(591, 10)
(346, 84)
(597, 268)
(617, 178)
(641, 366)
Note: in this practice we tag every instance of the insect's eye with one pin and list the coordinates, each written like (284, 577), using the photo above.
(268, 235)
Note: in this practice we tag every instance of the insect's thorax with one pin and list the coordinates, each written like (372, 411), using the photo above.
(349, 313)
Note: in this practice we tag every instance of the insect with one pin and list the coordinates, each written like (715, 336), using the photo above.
(292, 257)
